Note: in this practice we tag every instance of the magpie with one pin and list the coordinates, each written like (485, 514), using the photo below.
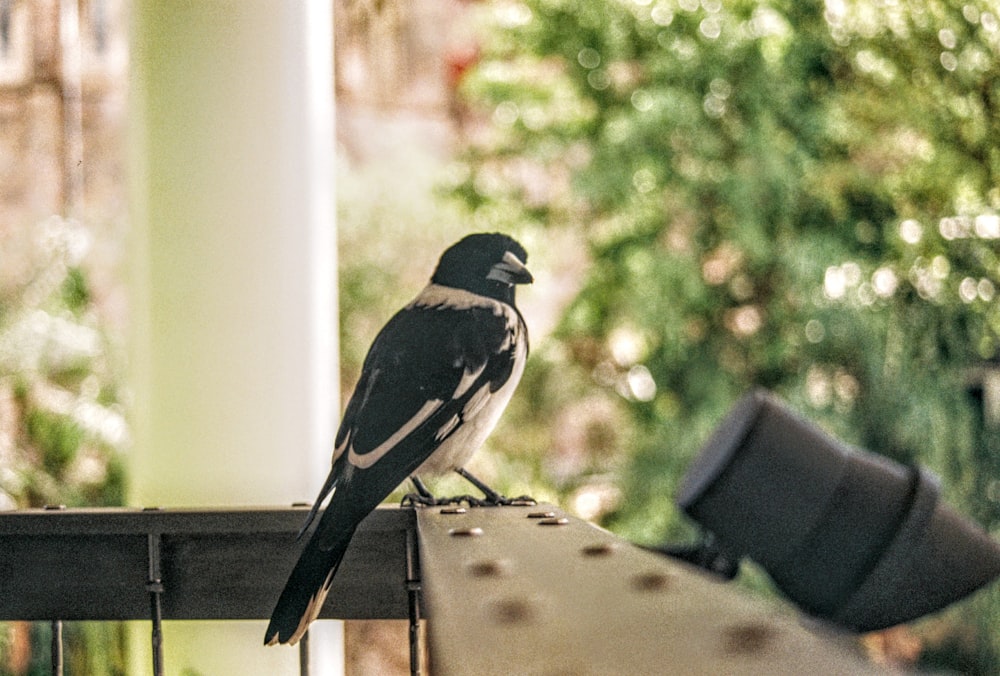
(432, 387)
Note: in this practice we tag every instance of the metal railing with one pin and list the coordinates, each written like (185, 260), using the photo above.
(158, 564)
(504, 589)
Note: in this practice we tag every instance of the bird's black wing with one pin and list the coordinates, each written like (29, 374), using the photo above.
(419, 383)
(420, 374)
(421, 371)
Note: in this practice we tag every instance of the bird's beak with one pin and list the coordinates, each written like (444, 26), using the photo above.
(511, 270)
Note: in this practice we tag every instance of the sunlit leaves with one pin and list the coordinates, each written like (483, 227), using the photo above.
(796, 194)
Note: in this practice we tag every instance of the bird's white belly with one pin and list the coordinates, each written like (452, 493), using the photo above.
(457, 449)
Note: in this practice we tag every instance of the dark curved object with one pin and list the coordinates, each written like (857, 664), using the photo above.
(848, 535)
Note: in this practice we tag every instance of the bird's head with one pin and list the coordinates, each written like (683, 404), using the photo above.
(490, 264)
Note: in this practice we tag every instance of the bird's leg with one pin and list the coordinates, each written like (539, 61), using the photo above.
(492, 497)
(422, 497)
(421, 488)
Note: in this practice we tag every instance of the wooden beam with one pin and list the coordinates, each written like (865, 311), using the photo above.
(530, 590)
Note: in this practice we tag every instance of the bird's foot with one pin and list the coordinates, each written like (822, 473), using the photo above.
(418, 500)
(459, 500)
(424, 498)
(498, 500)
(495, 500)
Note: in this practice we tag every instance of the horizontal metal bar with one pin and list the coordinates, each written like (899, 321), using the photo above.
(125, 520)
(530, 590)
(92, 564)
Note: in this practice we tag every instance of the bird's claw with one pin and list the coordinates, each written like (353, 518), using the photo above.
(418, 500)
(504, 501)
(457, 500)
(498, 501)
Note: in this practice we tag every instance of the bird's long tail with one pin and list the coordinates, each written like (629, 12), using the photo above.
(304, 593)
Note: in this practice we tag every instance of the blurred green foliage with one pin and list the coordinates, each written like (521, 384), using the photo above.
(798, 195)
(62, 428)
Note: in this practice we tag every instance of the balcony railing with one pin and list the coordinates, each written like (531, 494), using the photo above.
(525, 590)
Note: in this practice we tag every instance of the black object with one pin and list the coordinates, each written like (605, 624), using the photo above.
(706, 554)
(849, 536)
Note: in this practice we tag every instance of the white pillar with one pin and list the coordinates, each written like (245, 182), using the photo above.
(234, 349)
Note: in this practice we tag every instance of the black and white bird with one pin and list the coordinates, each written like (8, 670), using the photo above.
(432, 387)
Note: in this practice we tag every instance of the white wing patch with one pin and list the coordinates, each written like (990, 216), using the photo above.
(339, 450)
(368, 459)
(480, 413)
(468, 378)
(447, 428)
(476, 402)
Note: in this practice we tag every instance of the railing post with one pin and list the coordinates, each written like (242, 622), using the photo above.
(154, 586)
(56, 650)
(413, 598)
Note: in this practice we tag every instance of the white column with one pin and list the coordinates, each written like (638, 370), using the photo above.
(233, 355)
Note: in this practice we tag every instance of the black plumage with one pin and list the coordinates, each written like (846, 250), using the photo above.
(432, 387)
